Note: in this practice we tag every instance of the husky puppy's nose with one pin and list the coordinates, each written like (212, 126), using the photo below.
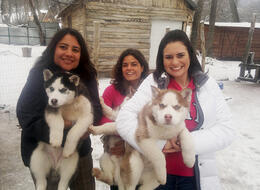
(54, 101)
(168, 118)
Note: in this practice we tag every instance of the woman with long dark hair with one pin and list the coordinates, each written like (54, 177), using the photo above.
(66, 51)
(130, 70)
(209, 120)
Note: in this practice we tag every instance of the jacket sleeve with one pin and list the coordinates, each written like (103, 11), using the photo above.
(31, 105)
(217, 131)
(127, 119)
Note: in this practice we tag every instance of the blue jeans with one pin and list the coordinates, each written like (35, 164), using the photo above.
(178, 183)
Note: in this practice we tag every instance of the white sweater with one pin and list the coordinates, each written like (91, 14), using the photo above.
(215, 133)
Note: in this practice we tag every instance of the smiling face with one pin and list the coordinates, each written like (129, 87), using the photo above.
(176, 61)
(67, 53)
(131, 69)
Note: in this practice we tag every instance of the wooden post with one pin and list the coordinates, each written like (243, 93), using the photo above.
(203, 50)
(248, 46)
(96, 44)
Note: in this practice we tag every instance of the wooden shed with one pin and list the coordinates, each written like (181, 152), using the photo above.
(230, 40)
(111, 26)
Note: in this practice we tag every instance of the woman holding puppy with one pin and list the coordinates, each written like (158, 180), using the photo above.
(131, 68)
(66, 51)
(209, 121)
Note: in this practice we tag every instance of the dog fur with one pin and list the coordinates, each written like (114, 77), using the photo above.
(162, 118)
(67, 99)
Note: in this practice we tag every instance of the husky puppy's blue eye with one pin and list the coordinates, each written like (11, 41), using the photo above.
(51, 89)
(162, 106)
(176, 107)
(63, 90)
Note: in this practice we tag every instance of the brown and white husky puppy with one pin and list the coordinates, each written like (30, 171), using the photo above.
(67, 99)
(161, 118)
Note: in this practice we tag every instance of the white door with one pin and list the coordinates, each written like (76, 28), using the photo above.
(157, 32)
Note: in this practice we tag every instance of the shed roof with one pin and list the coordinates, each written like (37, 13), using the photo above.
(234, 24)
(191, 4)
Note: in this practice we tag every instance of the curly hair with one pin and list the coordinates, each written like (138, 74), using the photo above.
(173, 36)
(117, 75)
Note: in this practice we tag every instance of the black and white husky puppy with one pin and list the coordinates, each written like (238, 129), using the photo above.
(67, 100)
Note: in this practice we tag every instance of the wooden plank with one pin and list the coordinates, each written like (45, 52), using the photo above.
(96, 43)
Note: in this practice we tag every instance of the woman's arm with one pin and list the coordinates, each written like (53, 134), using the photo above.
(31, 105)
(108, 97)
(217, 132)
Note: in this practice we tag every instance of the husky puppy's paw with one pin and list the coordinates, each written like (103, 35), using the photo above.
(188, 159)
(68, 151)
(161, 176)
(55, 140)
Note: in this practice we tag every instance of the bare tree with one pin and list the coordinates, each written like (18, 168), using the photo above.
(233, 8)
(196, 23)
(212, 20)
(6, 11)
(38, 24)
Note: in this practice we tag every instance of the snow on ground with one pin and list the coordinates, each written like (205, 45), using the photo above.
(239, 164)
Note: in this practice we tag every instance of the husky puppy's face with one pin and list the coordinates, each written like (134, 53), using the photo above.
(60, 87)
(170, 107)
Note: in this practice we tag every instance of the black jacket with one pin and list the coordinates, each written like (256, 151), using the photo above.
(30, 112)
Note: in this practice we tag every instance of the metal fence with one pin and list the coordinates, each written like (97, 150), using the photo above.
(24, 35)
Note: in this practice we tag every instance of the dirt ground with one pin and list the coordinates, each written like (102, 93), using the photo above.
(13, 174)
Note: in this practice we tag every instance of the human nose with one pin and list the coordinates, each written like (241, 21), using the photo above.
(128, 66)
(174, 61)
(69, 52)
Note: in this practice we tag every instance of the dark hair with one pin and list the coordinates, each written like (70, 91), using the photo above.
(117, 75)
(85, 70)
(173, 36)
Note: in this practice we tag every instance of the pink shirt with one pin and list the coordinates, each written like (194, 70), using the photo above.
(113, 99)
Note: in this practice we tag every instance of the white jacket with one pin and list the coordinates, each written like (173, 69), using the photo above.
(215, 133)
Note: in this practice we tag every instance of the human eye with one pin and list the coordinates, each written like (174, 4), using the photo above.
(168, 56)
(124, 65)
(180, 55)
(76, 50)
(63, 46)
(134, 64)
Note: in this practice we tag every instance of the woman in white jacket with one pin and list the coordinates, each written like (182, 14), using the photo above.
(209, 121)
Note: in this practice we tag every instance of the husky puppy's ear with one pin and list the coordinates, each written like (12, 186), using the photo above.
(186, 94)
(74, 79)
(155, 91)
(47, 74)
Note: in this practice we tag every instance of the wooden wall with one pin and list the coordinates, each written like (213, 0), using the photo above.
(230, 42)
(111, 26)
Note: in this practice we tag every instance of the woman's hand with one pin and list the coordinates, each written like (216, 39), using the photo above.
(172, 145)
(119, 148)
